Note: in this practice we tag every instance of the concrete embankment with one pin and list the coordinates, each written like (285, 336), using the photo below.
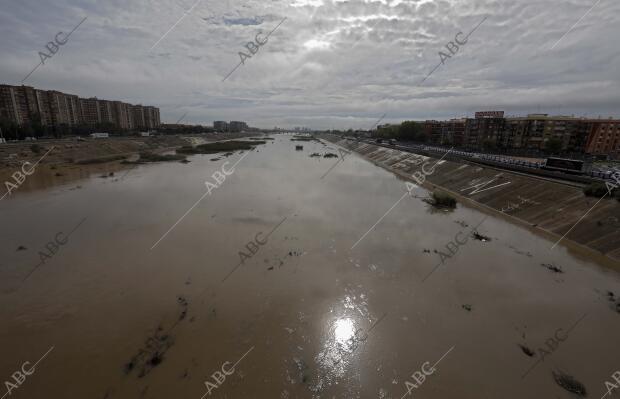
(549, 207)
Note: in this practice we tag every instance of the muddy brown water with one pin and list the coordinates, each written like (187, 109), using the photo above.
(313, 317)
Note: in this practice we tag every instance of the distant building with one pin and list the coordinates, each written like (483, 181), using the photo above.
(220, 126)
(536, 131)
(236, 126)
(604, 138)
(485, 130)
(26, 105)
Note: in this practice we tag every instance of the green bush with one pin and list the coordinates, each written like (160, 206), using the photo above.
(595, 190)
(444, 200)
(220, 146)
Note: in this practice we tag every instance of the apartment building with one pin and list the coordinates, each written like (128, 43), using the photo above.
(604, 138)
(89, 110)
(237, 126)
(220, 126)
(485, 130)
(151, 117)
(121, 115)
(24, 105)
(535, 131)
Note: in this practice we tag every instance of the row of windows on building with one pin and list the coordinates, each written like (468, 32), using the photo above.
(533, 132)
(26, 105)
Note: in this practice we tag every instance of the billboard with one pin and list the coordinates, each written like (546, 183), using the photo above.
(490, 114)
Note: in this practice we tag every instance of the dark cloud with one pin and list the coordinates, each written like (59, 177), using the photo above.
(330, 64)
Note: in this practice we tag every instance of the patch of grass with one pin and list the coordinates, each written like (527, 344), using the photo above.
(223, 146)
(595, 190)
(104, 159)
(151, 157)
(443, 200)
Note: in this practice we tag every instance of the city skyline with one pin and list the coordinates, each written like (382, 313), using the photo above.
(329, 64)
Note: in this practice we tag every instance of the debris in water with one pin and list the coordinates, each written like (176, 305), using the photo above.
(330, 155)
(467, 307)
(21, 248)
(480, 237)
(151, 355)
(527, 350)
(461, 222)
(314, 155)
(570, 383)
(184, 304)
(299, 147)
(552, 267)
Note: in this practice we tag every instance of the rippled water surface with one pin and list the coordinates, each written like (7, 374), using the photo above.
(151, 285)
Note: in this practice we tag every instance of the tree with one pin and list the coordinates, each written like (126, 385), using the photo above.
(410, 130)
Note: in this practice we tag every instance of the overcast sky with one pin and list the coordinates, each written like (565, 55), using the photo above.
(330, 64)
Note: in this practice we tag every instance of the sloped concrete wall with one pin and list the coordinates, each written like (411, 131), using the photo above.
(550, 206)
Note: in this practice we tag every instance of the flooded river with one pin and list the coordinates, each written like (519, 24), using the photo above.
(289, 276)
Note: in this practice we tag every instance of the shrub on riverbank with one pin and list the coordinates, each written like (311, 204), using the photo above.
(598, 190)
(221, 146)
(443, 200)
(151, 157)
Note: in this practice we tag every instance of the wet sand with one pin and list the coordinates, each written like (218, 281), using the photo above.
(298, 301)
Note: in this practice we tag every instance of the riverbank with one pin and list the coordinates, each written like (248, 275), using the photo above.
(559, 211)
(65, 160)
